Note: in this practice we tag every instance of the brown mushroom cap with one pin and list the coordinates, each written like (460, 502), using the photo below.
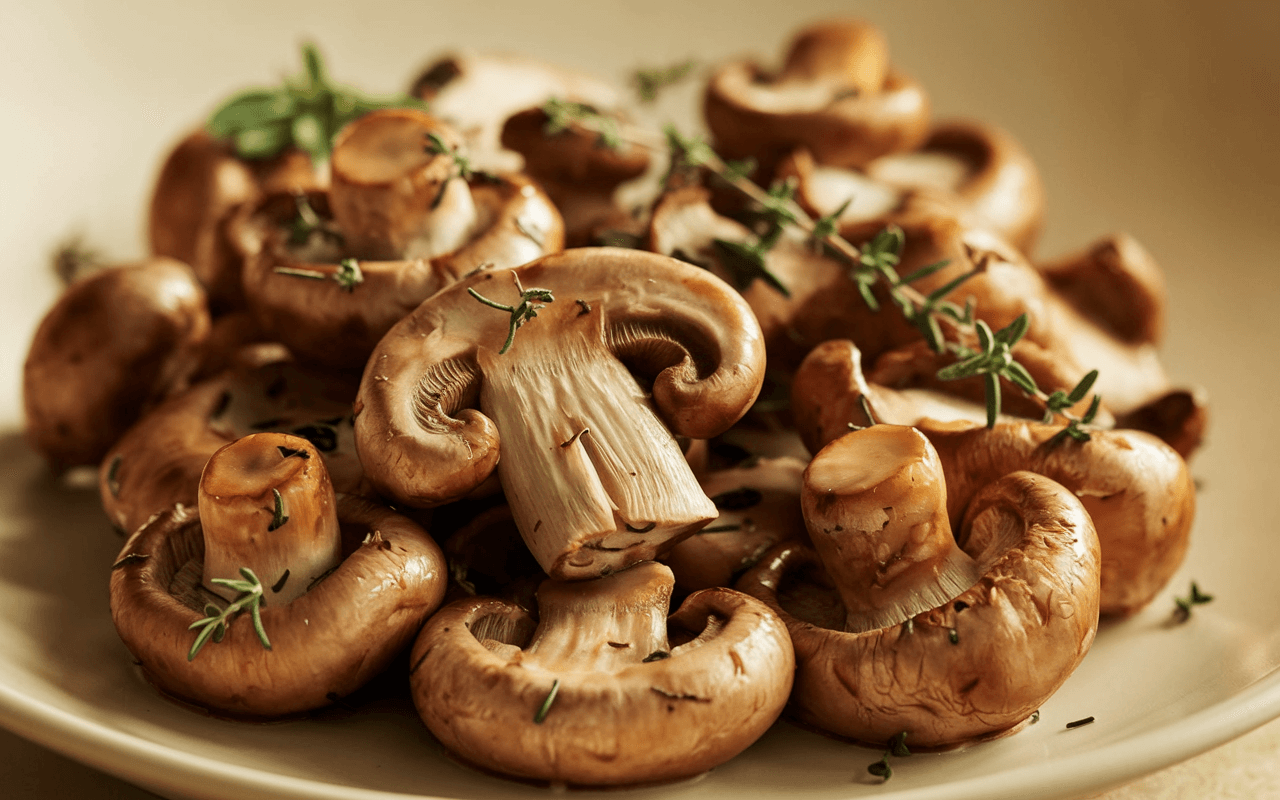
(324, 323)
(324, 644)
(970, 669)
(158, 461)
(639, 697)
(584, 444)
(834, 96)
(114, 344)
(1117, 284)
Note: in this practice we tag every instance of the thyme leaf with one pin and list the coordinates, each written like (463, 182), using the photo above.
(649, 83)
(897, 748)
(531, 302)
(1184, 605)
(214, 624)
(563, 114)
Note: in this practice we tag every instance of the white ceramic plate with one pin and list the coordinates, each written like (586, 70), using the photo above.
(1131, 132)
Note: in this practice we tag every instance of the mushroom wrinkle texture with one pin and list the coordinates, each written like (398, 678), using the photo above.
(590, 463)
(603, 688)
(885, 641)
(343, 586)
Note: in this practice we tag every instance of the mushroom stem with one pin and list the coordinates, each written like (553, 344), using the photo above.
(876, 507)
(267, 504)
(595, 480)
(602, 625)
(395, 198)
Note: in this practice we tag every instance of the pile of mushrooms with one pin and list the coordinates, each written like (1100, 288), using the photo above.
(726, 417)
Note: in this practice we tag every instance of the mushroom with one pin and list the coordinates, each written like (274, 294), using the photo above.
(1137, 488)
(898, 627)
(835, 96)
(317, 633)
(590, 462)
(158, 461)
(579, 171)
(759, 505)
(602, 688)
(114, 345)
(477, 92)
(201, 184)
(391, 199)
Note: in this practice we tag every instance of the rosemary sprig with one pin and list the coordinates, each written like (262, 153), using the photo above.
(649, 83)
(214, 625)
(873, 263)
(306, 112)
(1184, 605)
(897, 748)
(531, 302)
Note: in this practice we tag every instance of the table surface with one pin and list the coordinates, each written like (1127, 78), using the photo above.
(1246, 768)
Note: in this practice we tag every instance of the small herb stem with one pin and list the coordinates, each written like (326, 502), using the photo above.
(546, 704)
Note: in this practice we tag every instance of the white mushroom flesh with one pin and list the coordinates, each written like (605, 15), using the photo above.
(928, 169)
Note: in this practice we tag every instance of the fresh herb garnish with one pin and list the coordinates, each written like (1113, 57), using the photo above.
(531, 302)
(306, 112)
(214, 625)
(1080, 723)
(461, 165)
(897, 748)
(308, 223)
(1184, 605)
(546, 704)
(278, 517)
(348, 275)
(563, 114)
(649, 83)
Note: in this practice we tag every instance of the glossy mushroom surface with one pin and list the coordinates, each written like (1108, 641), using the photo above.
(602, 688)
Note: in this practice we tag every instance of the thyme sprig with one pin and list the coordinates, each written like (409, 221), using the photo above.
(1184, 605)
(214, 625)
(564, 114)
(898, 748)
(531, 302)
(461, 165)
(348, 275)
(305, 112)
(308, 223)
(649, 83)
(873, 263)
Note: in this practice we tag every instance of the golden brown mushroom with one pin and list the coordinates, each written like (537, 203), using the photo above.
(264, 655)
(602, 688)
(899, 628)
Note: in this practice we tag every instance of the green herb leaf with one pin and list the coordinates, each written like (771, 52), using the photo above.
(563, 114)
(546, 704)
(214, 625)
(649, 83)
(531, 302)
(745, 262)
(278, 518)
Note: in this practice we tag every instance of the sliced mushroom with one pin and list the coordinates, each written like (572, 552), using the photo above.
(590, 462)
(158, 461)
(1117, 284)
(478, 92)
(114, 345)
(759, 505)
(835, 96)
(886, 646)
(603, 688)
(342, 628)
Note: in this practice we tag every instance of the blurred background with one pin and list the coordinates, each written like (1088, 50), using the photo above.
(1157, 118)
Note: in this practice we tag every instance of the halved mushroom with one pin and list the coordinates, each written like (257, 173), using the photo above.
(899, 628)
(759, 505)
(477, 92)
(116, 343)
(158, 461)
(201, 184)
(835, 96)
(580, 172)
(393, 197)
(589, 458)
(602, 688)
(320, 628)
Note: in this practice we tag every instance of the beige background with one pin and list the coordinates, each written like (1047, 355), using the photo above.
(1159, 118)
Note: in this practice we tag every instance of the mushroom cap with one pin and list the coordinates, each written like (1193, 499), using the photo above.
(616, 718)
(422, 442)
(1018, 633)
(323, 323)
(1117, 284)
(157, 462)
(114, 344)
(324, 644)
(834, 96)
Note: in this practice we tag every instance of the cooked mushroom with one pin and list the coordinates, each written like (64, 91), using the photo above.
(580, 172)
(603, 688)
(158, 461)
(478, 92)
(835, 96)
(391, 199)
(114, 345)
(899, 629)
(201, 184)
(759, 505)
(339, 628)
(589, 458)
